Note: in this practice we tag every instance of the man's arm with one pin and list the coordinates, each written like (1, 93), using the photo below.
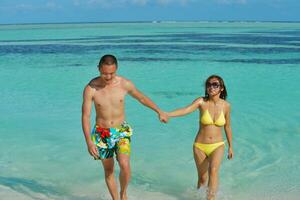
(135, 93)
(85, 120)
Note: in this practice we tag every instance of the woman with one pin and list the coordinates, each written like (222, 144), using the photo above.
(209, 143)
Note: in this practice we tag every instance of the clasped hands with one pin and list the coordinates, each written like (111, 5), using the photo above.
(163, 116)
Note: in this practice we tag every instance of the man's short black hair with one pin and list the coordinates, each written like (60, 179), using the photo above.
(108, 60)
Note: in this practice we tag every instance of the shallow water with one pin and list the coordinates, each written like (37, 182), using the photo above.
(43, 69)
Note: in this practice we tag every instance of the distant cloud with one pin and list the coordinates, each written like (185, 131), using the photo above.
(181, 2)
(140, 2)
(104, 3)
(24, 7)
(52, 5)
(163, 2)
(112, 3)
(29, 7)
(232, 1)
(76, 3)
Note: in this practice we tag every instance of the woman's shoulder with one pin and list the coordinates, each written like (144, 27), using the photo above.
(199, 100)
(226, 104)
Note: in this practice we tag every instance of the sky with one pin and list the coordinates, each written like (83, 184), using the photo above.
(54, 11)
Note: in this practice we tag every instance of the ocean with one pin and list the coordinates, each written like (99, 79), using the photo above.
(44, 68)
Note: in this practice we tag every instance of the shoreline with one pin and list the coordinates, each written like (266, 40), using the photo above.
(98, 191)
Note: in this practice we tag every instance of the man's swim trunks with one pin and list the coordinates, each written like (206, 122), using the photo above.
(112, 140)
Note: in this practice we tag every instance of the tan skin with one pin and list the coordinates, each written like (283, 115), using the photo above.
(208, 166)
(108, 92)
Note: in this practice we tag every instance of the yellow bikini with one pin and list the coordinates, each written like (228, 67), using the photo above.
(208, 148)
(206, 119)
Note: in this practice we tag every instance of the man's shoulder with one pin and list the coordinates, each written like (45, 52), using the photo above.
(94, 83)
(125, 82)
(123, 79)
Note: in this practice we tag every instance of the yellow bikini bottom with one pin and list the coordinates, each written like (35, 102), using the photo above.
(208, 148)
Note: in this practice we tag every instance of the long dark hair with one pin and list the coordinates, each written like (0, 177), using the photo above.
(223, 94)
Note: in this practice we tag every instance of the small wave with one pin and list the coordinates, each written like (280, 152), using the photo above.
(174, 94)
(263, 61)
(9, 193)
(200, 194)
(98, 191)
(28, 187)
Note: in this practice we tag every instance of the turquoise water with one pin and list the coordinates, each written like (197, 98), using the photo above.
(44, 68)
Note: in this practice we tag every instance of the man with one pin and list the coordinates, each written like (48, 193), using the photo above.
(111, 134)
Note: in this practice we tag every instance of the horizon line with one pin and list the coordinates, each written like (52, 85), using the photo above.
(148, 21)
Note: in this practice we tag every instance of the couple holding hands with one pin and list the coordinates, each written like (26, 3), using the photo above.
(111, 134)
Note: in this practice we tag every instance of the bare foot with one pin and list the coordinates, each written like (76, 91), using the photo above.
(201, 184)
(123, 196)
(211, 195)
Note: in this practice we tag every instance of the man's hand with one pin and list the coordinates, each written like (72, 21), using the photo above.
(93, 150)
(163, 117)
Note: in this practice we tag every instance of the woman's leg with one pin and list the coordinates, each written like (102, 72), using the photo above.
(215, 160)
(202, 166)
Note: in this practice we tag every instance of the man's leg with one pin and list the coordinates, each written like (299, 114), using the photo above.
(124, 163)
(123, 156)
(108, 166)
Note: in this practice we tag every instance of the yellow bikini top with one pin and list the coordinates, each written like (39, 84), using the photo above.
(206, 119)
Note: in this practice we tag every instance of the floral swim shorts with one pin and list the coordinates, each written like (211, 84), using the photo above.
(112, 140)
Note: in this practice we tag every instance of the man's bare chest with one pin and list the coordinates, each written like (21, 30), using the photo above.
(109, 96)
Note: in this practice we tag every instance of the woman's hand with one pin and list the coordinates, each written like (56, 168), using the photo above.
(230, 153)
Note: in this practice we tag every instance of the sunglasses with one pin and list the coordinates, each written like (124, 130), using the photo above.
(214, 85)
